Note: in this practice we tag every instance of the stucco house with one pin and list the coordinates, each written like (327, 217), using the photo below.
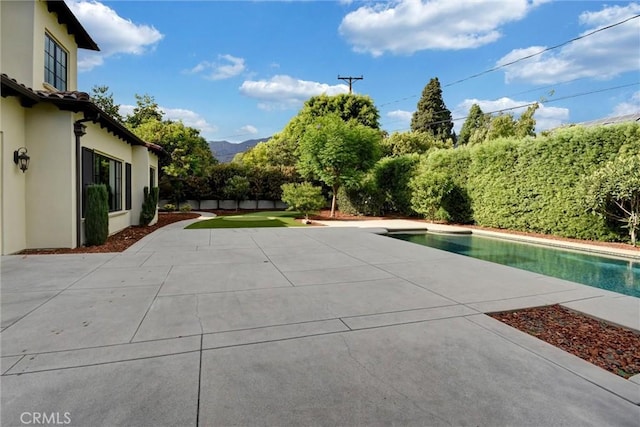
(53, 140)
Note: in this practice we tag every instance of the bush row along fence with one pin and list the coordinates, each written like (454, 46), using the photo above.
(264, 184)
(227, 204)
(531, 184)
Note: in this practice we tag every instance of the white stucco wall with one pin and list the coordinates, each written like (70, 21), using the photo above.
(50, 194)
(13, 228)
(44, 21)
(23, 26)
(139, 180)
(16, 39)
(106, 144)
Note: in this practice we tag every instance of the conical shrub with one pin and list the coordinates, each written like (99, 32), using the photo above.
(96, 219)
(149, 205)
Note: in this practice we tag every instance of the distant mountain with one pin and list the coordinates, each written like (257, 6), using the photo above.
(225, 150)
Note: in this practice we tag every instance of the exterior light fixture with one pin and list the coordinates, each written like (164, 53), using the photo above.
(21, 159)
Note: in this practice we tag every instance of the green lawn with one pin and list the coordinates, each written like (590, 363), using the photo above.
(251, 220)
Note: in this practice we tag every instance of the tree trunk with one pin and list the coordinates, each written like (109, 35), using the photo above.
(333, 201)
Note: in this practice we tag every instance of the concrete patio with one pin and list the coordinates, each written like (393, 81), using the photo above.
(294, 326)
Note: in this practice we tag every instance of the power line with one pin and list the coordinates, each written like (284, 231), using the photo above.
(522, 58)
(541, 51)
(576, 95)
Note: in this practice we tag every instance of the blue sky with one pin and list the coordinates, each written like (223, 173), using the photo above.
(239, 70)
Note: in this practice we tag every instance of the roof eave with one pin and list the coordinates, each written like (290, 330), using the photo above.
(74, 27)
(29, 98)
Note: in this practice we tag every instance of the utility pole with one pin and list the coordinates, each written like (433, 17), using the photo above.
(350, 80)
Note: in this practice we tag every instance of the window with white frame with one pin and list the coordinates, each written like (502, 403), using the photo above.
(55, 64)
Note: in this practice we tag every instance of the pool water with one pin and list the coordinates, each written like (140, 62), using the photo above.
(613, 274)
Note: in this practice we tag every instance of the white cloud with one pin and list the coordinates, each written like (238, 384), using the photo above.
(226, 67)
(249, 129)
(188, 117)
(408, 26)
(282, 91)
(113, 34)
(401, 116)
(603, 55)
(629, 107)
(546, 117)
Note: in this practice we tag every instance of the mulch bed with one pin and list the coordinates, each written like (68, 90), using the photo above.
(610, 347)
(121, 240)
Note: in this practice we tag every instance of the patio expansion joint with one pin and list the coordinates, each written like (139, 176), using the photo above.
(14, 364)
(55, 295)
(94, 347)
(388, 385)
(85, 365)
(199, 381)
(271, 261)
(153, 300)
(534, 295)
(551, 360)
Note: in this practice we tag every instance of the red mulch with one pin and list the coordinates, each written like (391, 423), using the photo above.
(610, 347)
(121, 240)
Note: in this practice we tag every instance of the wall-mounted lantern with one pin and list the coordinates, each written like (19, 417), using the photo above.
(21, 159)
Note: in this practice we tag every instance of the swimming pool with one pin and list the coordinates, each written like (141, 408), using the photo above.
(614, 274)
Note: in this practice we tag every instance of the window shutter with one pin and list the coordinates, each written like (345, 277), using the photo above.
(87, 174)
(127, 186)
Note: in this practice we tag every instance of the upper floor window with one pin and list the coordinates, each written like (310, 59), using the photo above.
(55, 64)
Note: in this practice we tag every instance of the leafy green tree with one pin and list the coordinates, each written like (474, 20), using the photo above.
(403, 143)
(505, 126)
(189, 153)
(237, 188)
(475, 120)
(348, 106)
(432, 115)
(337, 152)
(392, 176)
(281, 149)
(101, 96)
(501, 126)
(613, 191)
(146, 109)
(304, 197)
(526, 125)
(429, 192)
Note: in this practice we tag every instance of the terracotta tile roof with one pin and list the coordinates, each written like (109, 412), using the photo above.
(68, 95)
(77, 102)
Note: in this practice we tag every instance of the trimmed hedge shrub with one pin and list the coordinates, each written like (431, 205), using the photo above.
(535, 185)
(304, 197)
(149, 205)
(96, 218)
(392, 176)
(439, 187)
(363, 199)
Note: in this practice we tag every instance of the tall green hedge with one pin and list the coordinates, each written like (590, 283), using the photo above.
(439, 188)
(532, 184)
(537, 185)
(96, 218)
